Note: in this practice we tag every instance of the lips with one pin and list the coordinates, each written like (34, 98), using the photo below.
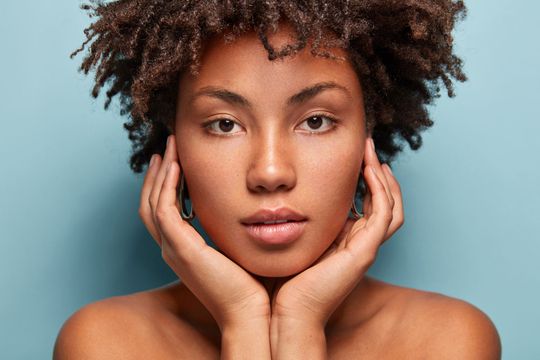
(273, 215)
(276, 234)
(286, 226)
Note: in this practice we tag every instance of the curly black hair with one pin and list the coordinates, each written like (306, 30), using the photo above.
(401, 50)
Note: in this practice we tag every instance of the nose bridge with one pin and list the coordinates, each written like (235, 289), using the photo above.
(272, 162)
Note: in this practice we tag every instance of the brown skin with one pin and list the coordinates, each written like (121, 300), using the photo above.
(270, 158)
(309, 299)
(402, 52)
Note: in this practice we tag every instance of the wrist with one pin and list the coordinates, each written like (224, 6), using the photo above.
(295, 325)
(297, 338)
(299, 317)
(246, 340)
(245, 325)
(246, 315)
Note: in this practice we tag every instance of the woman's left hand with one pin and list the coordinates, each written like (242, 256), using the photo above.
(313, 295)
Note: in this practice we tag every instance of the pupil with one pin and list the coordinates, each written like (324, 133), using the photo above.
(317, 122)
(227, 127)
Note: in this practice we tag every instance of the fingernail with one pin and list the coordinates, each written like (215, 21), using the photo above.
(389, 169)
(152, 159)
(372, 143)
(168, 140)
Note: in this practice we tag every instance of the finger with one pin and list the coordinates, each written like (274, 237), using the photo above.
(169, 155)
(373, 160)
(397, 210)
(170, 223)
(145, 212)
(381, 215)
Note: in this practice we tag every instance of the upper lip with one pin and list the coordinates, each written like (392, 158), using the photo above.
(282, 213)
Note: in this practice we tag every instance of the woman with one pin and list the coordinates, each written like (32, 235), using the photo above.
(263, 113)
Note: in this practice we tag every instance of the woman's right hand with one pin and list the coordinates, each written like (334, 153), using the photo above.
(232, 295)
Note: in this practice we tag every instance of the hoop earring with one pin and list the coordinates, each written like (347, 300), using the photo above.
(356, 215)
(181, 199)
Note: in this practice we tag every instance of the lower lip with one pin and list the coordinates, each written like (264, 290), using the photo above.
(276, 234)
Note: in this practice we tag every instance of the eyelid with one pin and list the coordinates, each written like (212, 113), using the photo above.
(334, 122)
(207, 125)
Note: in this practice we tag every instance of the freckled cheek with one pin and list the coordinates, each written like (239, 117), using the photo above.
(215, 185)
(332, 178)
(215, 191)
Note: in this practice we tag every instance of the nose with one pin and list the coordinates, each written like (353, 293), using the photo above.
(272, 164)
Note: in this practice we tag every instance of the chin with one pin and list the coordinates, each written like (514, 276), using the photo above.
(274, 272)
(270, 267)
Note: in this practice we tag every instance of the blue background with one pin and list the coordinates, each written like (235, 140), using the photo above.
(70, 233)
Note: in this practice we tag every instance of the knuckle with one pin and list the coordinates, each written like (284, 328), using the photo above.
(400, 219)
(143, 213)
(152, 204)
(398, 187)
(161, 215)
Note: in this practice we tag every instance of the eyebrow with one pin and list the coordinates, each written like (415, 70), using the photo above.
(300, 97)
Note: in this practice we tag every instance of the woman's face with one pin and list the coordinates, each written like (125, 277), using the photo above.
(245, 142)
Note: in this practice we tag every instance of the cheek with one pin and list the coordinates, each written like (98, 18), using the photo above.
(203, 165)
(329, 185)
(326, 175)
(330, 178)
(215, 186)
(215, 183)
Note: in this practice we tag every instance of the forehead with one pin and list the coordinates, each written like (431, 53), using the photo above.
(243, 64)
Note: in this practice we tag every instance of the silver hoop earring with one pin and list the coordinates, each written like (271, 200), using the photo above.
(181, 199)
(355, 213)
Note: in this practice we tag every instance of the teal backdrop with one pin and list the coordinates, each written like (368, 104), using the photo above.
(70, 233)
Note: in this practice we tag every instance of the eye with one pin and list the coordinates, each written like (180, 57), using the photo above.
(316, 121)
(220, 126)
(224, 126)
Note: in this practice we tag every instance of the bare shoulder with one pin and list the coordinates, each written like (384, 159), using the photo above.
(135, 326)
(444, 326)
(110, 328)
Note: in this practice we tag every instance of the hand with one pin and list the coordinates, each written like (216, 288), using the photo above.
(312, 296)
(232, 295)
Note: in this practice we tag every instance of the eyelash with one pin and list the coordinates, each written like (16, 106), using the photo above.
(333, 125)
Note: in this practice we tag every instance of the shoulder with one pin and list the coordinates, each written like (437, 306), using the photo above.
(117, 327)
(98, 330)
(446, 326)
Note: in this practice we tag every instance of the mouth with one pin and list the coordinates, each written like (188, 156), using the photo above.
(272, 222)
(279, 232)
